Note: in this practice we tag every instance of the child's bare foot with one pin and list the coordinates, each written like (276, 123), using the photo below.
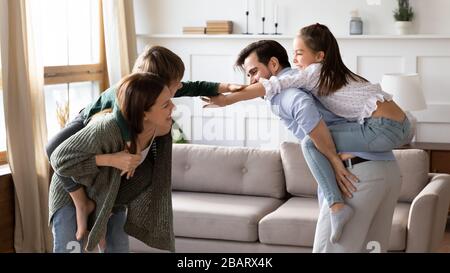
(83, 210)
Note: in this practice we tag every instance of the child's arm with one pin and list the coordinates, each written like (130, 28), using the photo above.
(306, 79)
(202, 88)
(123, 161)
(82, 154)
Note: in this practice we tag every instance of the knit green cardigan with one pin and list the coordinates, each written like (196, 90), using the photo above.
(147, 195)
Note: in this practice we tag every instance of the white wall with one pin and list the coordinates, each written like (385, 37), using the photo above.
(251, 123)
(371, 57)
(169, 16)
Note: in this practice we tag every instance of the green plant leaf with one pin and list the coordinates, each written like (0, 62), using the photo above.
(404, 12)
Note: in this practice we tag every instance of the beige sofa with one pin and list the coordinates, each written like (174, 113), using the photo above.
(229, 199)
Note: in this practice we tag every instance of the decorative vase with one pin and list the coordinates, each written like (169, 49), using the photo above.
(403, 27)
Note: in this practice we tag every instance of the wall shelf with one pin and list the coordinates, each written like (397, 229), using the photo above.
(289, 37)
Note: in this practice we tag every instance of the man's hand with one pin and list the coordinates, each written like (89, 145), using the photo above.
(216, 101)
(344, 178)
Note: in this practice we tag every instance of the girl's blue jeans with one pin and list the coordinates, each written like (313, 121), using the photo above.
(374, 135)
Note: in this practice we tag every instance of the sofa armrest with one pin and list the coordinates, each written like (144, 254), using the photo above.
(428, 215)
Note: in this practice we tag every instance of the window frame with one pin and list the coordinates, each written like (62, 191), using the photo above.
(85, 72)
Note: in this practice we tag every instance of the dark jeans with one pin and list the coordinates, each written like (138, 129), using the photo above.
(71, 128)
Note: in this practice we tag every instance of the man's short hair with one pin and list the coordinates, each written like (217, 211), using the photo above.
(264, 49)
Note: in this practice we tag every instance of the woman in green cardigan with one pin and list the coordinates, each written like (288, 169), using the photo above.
(154, 59)
(144, 106)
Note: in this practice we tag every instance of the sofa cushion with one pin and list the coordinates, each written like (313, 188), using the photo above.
(233, 170)
(299, 180)
(414, 166)
(397, 240)
(220, 216)
(294, 223)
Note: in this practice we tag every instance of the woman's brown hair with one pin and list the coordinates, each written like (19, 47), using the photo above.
(334, 74)
(136, 94)
(161, 61)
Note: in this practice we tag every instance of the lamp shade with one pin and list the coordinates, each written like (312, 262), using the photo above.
(406, 89)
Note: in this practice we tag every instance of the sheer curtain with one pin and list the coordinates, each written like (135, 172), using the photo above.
(25, 127)
(120, 38)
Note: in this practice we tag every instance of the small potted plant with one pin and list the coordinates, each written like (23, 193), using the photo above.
(177, 134)
(403, 16)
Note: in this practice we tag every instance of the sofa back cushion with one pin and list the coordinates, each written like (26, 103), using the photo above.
(299, 180)
(233, 170)
(414, 166)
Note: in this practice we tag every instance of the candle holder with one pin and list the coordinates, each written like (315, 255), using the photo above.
(246, 28)
(263, 19)
(276, 30)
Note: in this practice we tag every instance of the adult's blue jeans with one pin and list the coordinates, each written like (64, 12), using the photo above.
(374, 135)
(65, 226)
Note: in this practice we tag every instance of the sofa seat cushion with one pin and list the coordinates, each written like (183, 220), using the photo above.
(293, 223)
(220, 216)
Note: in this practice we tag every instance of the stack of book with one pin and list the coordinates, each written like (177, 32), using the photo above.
(193, 30)
(219, 27)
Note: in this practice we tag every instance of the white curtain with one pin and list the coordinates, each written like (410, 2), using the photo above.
(26, 131)
(120, 38)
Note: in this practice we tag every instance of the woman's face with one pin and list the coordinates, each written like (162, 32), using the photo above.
(303, 55)
(159, 116)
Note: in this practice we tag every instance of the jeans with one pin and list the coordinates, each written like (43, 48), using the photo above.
(374, 135)
(65, 226)
(70, 129)
(374, 203)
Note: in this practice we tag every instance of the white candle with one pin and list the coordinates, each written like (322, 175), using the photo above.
(276, 14)
(262, 8)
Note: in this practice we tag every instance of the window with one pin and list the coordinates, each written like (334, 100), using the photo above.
(70, 37)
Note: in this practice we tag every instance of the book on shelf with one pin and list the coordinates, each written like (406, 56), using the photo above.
(193, 30)
(219, 27)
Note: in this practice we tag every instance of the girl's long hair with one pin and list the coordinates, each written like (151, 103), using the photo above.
(334, 74)
(136, 94)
